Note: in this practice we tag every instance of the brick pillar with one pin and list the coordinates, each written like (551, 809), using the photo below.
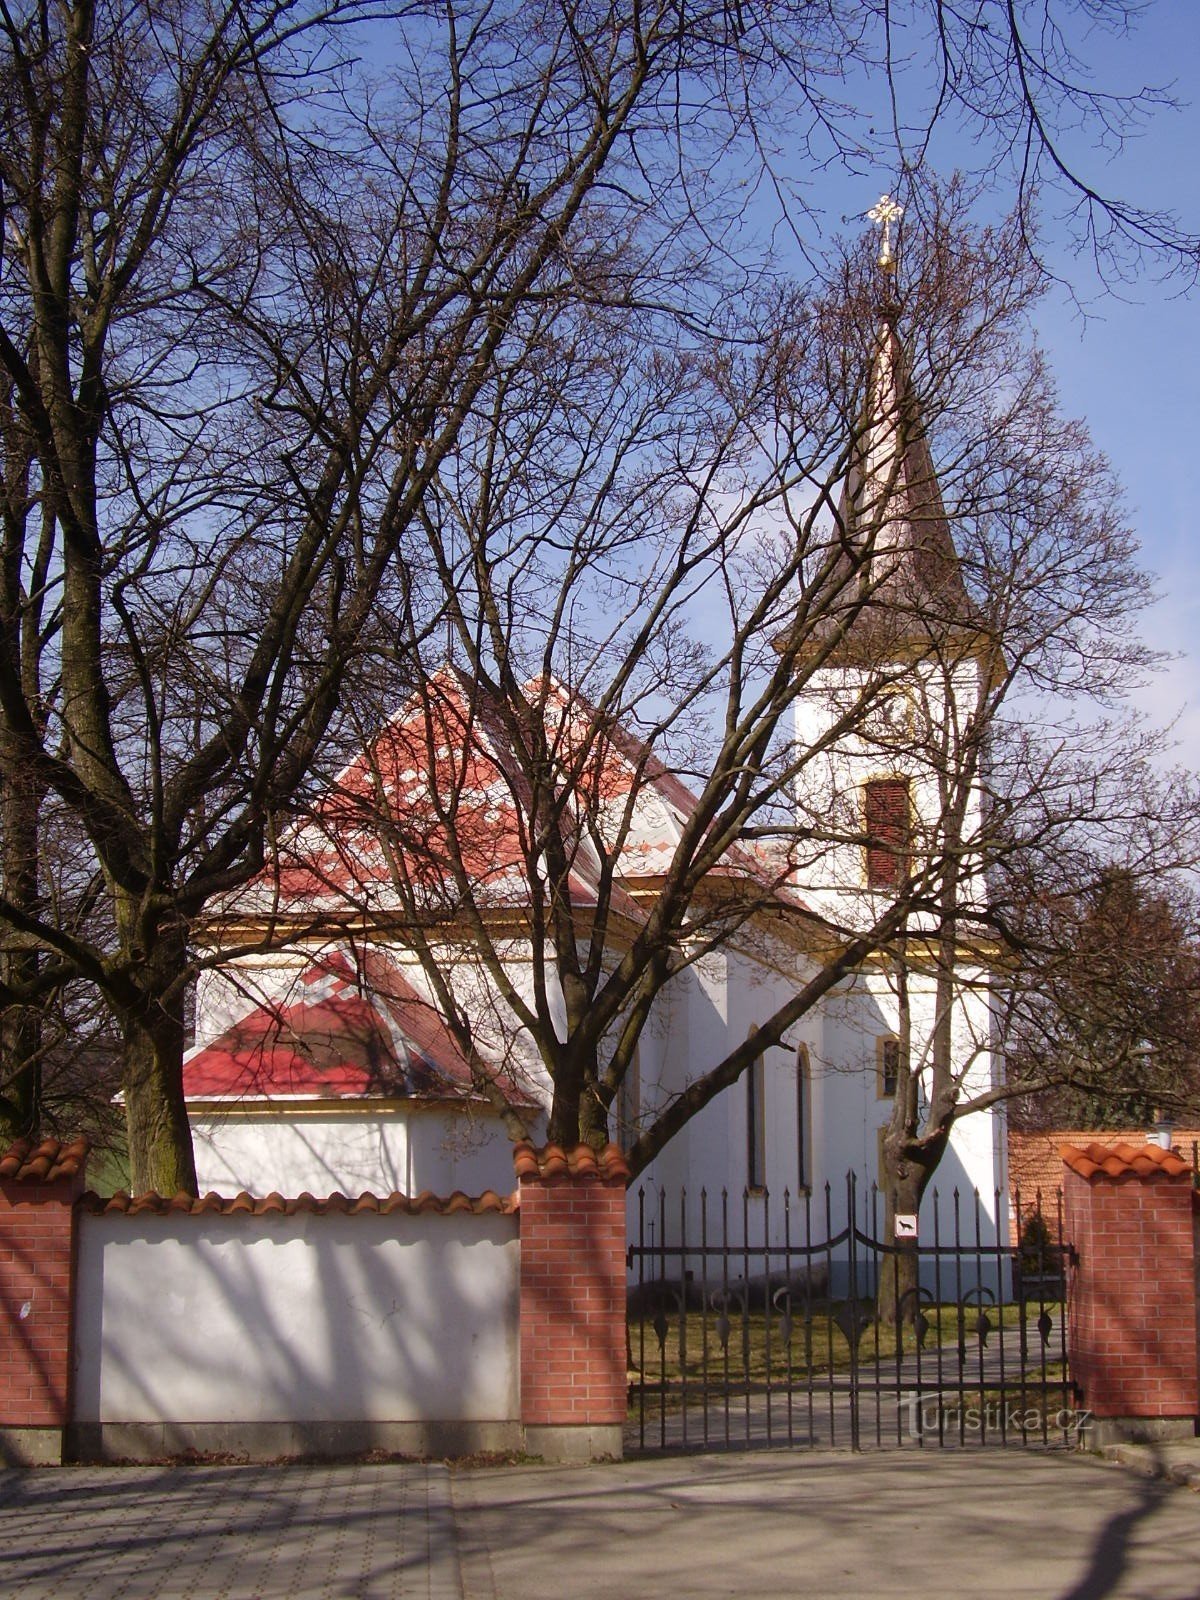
(1131, 1317)
(38, 1189)
(573, 1383)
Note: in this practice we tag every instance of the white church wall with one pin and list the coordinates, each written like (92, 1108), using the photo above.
(381, 1150)
(865, 1009)
(714, 1005)
(857, 1017)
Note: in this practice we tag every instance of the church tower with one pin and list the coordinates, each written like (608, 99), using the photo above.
(892, 765)
(899, 660)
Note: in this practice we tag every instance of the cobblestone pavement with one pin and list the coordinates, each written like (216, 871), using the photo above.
(775, 1525)
(228, 1533)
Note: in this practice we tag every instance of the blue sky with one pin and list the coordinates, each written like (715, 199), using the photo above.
(1126, 356)
(1131, 366)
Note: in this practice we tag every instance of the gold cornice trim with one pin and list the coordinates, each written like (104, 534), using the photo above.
(285, 932)
(339, 1108)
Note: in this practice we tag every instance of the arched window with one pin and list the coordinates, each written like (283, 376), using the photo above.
(803, 1119)
(887, 1067)
(756, 1127)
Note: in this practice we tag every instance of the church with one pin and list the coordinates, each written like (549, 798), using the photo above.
(329, 1064)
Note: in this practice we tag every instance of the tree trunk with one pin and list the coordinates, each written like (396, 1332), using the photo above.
(898, 1291)
(578, 1114)
(160, 1138)
(563, 1125)
(20, 1026)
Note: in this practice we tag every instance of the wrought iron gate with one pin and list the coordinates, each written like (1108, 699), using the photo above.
(757, 1324)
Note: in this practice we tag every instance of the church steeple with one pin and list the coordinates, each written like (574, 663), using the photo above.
(897, 553)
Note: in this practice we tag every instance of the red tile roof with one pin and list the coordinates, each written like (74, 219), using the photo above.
(351, 1025)
(1125, 1161)
(424, 1204)
(449, 753)
(446, 753)
(25, 1162)
(552, 1161)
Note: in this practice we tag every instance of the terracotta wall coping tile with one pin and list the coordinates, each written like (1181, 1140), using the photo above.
(209, 1205)
(1122, 1162)
(581, 1162)
(25, 1162)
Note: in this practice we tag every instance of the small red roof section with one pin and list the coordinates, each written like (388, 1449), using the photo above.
(215, 1205)
(27, 1162)
(1122, 1162)
(552, 1162)
(346, 1028)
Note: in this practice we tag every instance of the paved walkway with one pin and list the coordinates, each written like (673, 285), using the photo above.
(937, 1524)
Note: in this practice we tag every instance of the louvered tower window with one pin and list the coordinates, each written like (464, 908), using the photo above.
(889, 831)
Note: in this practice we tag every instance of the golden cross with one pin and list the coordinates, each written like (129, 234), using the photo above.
(884, 213)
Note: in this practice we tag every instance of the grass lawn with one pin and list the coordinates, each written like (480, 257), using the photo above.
(741, 1351)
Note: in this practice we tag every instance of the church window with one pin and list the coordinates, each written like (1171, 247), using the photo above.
(803, 1120)
(756, 1127)
(888, 1065)
(889, 831)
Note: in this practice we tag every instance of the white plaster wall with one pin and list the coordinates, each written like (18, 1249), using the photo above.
(714, 1006)
(299, 1151)
(297, 1319)
(855, 1018)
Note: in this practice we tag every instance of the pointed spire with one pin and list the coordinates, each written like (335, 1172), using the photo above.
(891, 507)
(895, 584)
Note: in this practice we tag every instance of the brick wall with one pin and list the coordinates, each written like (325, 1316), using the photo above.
(1131, 1325)
(1035, 1162)
(38, 1188)
(572, 1210)
(80, 1287)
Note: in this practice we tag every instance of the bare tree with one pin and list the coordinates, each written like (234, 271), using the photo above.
(247, 302)
(755, 576)
(1111, 1024)
(251, 296)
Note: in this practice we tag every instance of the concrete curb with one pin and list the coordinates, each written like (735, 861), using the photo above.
(1177, 1463)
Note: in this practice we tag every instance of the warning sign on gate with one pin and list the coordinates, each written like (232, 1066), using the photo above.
(906, 1225)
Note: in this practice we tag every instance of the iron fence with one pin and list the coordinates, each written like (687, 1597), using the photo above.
(755, 1322)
